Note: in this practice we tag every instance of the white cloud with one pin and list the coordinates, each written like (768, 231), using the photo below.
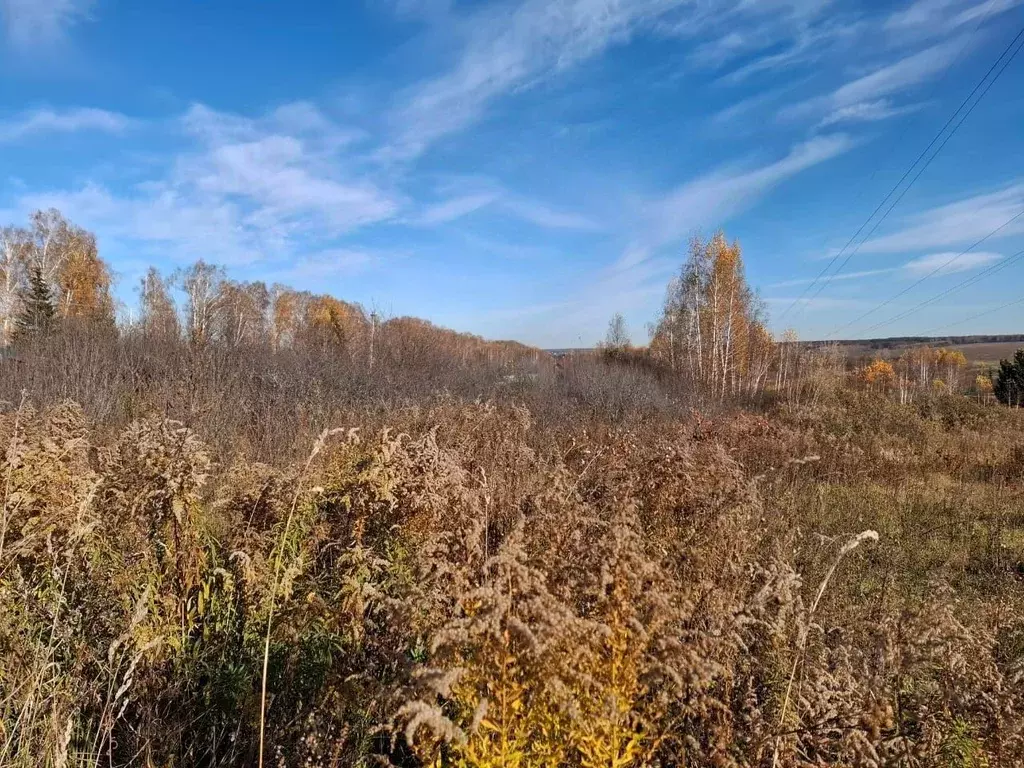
(922, 13)
(455, 208)
(896, 77)
(843, 276)
(926, 18)
(808, 44)
(937, 263)
(708, 201)
(868, 92)
(178, 226)
(508, 49)
(39, 122)
(332, 262)
(867, 112)
(949, 263)
(282, 168)
(301, 119)
(639, 275)
(502, 202)
(958, 223)
(732, 114)
(415, 9)
(246, 190)
(282, 180)
(31, 23)
(543, 215)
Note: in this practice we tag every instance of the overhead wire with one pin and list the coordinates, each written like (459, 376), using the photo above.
(937, 270)
(1018, 40)
(992, 311)
(995, 268)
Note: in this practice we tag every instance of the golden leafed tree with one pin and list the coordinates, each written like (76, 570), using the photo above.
(711, 327)
(878, 374)
(66, 258)
(83, 279)
(287, 309)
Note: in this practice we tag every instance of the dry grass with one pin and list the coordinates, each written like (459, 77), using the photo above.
(470, 587)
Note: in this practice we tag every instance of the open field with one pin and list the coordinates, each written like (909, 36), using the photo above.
(978, 350)
(987, 353)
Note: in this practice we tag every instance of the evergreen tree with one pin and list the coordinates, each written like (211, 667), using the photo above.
(1009, 384)
(38, 313)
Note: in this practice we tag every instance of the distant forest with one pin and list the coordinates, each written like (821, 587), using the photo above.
(894, 342)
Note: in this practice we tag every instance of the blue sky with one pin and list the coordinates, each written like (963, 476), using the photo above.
(524, 169)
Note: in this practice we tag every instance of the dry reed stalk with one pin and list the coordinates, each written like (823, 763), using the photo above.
(318, 446)
(848, 547)
(10, 468)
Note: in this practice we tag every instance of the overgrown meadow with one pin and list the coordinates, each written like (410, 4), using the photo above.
(231, 552)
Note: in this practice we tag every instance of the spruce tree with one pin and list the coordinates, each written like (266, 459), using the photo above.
(38, 313)
(1009, 384)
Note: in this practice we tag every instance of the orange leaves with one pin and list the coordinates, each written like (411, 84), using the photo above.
(84, 280)
(879, 373)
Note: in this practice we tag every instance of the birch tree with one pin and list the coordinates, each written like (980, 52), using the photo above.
(711, 331)
(13, 275)
(203, 304)
(159, 316)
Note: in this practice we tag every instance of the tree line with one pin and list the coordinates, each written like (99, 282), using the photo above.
(51, 274)
(711, 335)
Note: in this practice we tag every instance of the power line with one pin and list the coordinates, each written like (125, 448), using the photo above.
(920, 280)
(997, 267)
(945, 76)
(1017, 38)
(1020, 37)
(1008, 304)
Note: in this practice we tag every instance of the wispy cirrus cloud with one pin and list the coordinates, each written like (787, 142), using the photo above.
(711, 199)
(946, 263)
(867, 112)
(958, 223)
(548, 217)
(510, 48)
(840, 277)
(39, 122)
(455, 208)
(33, 23)
(499, 201)
(703, 203)
(312, 268)
(868, 96)
(930, 18)
(949, 263)
(408, 10)
(805, 45)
